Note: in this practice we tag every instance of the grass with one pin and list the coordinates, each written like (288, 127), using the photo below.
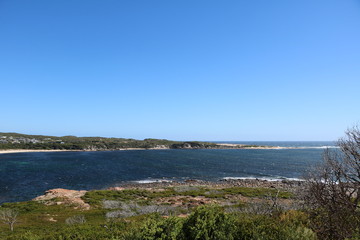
(257, 192)
(36, 218)
(35, 215)
(142, 196)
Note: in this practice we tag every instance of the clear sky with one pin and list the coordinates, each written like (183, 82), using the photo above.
(181, 69)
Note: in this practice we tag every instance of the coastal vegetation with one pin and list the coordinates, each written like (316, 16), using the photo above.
(333, 193)
(325, 207)
(40, 142)
(178, 212)
(191, 210)
(9, 216)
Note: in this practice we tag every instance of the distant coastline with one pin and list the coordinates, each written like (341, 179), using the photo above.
(239, 147)
(5, 151)
(22, 143)
(8, 151)
(35, 170)
(16, 143)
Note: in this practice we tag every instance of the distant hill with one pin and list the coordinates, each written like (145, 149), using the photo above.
(37, 142)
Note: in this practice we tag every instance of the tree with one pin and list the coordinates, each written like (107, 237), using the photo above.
(333, 191)
(9, 216)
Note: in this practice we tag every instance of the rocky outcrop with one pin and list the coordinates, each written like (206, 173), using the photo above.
(161, 147)
(60, 196)
(188, 145)
(116, 188)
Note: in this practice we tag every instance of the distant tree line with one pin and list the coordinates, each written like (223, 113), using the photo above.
(21, 141)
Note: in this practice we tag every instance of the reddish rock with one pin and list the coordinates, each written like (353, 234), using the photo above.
(116, 188)
(60, 196)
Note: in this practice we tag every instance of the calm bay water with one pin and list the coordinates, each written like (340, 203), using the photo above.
(26, 175)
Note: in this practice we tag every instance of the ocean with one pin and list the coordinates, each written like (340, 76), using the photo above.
(24, 176)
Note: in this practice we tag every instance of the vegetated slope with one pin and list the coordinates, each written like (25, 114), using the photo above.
(23, 141)
(179, 212)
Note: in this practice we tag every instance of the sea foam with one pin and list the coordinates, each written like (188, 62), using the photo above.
(153, 181)
(270, 179)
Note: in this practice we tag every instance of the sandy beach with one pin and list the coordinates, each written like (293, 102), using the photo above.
(33, 150)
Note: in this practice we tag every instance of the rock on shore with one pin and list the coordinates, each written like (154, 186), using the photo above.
(287, 185)
(60, 196)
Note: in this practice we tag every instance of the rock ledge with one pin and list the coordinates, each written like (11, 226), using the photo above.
(60, 196)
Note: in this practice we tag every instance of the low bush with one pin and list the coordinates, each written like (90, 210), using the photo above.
(157, 228)
(77, 219)
(209, 222)
(269, 228)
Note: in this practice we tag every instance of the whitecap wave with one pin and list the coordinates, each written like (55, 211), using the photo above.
(323, 147)
(153, 181)
(270, 179)
(302, 147)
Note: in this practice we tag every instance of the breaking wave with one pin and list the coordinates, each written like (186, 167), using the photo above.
(270, 179)
(153, 181)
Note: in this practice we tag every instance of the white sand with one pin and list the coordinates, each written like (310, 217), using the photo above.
(32, 150)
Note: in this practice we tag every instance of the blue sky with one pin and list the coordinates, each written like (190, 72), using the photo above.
(183, 70)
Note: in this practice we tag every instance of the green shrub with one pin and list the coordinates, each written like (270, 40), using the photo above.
(23, 207)
(80, 232)
(209, 222)
(157, 228)
(28, 236)
(267, 228)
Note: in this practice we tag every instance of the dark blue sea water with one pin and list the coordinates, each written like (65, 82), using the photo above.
(26, 175)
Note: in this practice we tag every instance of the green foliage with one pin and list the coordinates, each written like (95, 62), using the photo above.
(29, 206)
(95, 198)
(209, 222)
(256, 192)
(80, 232)
(206, 222)
(37, 142)
(157, 228)
(330, 223)
(268, 228)
(356, 235)
(26, 236)
(40, 221)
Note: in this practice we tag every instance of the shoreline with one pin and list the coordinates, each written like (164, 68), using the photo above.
(293, 186)
(8, 151)
(73, 197)
(35, 150)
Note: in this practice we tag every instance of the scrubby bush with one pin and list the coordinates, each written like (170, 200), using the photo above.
(81, 232)
(158, 228)
(268, 228)
(133, 209)
(111, 204)
(28, 236)
(209, 222)
(77, 219)
(187, 188)
(333, 190)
